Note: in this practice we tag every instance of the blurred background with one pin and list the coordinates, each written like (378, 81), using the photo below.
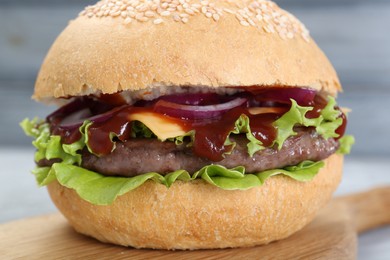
(355, 35)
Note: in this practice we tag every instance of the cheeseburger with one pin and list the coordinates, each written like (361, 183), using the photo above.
(186, 124)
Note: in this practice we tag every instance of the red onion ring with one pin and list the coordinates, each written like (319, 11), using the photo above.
(70, 108)
(196, 112)
(76, 119)
(303, 96)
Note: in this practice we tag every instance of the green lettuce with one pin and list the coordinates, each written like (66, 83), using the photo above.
(103, 190)
(346, 143)
(326, 124)
(241, 126)
(50, 146)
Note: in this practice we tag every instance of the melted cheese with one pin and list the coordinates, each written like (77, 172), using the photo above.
(162, 127)
(265, 110)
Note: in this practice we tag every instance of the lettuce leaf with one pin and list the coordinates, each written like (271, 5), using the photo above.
(241, 126)
(50, 146)
(326, 124)
(103, 190)
(346, 143)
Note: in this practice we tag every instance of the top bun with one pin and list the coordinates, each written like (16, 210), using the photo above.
(136, 44)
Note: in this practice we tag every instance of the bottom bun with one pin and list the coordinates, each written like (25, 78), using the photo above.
(197, 215)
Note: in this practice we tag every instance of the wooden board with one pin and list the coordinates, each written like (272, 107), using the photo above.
(332, 235)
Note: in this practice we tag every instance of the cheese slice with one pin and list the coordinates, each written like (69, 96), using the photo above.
(265, 110)
(162, 127)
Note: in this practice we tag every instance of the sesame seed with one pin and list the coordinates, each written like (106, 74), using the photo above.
(128, 20)
(141, 8)
(176, 18)
(189, 11)
(228, 11)
(158, 21)
(140, 17)
(134, 3)
(251, 22)
(261, 14)
(244, 23)
(131, 14)
(150, 14)
(165, 13)
(195, 9)
(239, 17)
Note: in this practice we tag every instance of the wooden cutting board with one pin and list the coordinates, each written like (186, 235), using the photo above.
(332, 235)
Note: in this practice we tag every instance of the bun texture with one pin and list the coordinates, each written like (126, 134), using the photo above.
(196, 215)
(108, 54)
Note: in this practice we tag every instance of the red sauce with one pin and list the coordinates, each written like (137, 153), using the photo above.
(67, 137)
(262, 128)
(319, 104)
(210, 136)
(99, 133)
(342, 128)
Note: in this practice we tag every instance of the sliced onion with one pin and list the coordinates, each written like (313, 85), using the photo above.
(196, 112)
(302, 96)
(70, 108)
(76, 119)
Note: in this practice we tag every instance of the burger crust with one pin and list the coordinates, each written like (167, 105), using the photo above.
(104, 55)
(197, 215)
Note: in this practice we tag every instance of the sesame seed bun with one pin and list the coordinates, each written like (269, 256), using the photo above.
(196, 215)
(212, 44)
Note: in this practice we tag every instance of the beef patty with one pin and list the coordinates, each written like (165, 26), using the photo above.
(140, 156)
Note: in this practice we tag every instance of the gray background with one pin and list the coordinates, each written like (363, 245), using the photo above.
(355, 35)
